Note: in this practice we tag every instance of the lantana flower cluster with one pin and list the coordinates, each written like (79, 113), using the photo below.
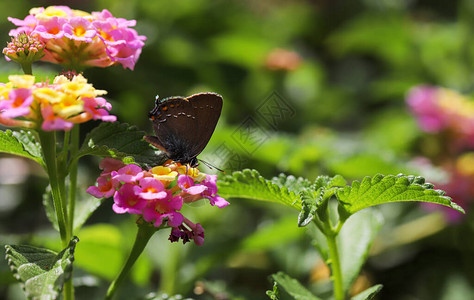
(77, 38)
(158, 194)
(51, 106)
(438, 109)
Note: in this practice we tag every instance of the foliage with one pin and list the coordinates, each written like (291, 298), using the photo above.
(345, 115)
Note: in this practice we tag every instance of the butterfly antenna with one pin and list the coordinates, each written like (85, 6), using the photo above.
(210, 166)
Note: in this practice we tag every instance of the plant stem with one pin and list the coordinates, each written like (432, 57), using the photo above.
(48, 146)
(335, 263)
(26, 67)
(145, 232)
(74, 147)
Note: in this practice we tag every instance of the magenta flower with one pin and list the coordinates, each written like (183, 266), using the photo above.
(159, 209)
(438, 109)
(109, 164)
(128, 174)
(423, 103)
(127, 199)
(106, 187)
(194, 232)
(157, 201)
(187, 185)
(79, 29)
(211, 192)
(53, 122)
(98, 108)
(51, 28)
(18, 103)
(152, 189)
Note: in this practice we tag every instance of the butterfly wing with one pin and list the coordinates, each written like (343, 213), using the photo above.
(208, 107)
(183, 126)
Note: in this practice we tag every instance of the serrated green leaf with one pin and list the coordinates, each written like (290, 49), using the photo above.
(120, 141)
(42, 272)
(313, 198)
(381, 189)
(20, 143)
(369, 293)
(291, 182)
(249, 184)
(295, 289)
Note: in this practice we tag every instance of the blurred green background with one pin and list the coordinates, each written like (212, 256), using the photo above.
(310, 88)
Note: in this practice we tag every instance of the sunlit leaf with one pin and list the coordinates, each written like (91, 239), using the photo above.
(381, 189)
(20, 143)
(249, 184)
(120, 141)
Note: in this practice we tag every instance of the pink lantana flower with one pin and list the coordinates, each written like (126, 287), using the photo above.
(56, 106)
(127, 199)
(79, 29)
(211, 192)
(187, 185)
(18, 103)
(76, 38)
(128, 174)
(152, 189)
(158, 210)
(106, 187)
(157, 195)
(438, 109)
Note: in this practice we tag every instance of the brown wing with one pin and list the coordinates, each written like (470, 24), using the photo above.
(183, 126)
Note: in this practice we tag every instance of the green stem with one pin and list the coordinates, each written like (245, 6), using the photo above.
(48, 145)
(73, 176)
(145, 232)
(27, 69)
(335, 263)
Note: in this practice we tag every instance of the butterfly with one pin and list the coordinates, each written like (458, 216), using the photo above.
(183, 126)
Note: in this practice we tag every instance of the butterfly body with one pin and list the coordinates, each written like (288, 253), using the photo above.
(184, 125)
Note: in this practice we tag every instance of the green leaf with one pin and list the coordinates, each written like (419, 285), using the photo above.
(120, 141)
(293, 287)
(249, 184)
(101, 252)
(317, 196)
(369, 293)
(20, 143)
(381, 189)
(85, 206)
(291, 182)
(355, 239)
(41, 271)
